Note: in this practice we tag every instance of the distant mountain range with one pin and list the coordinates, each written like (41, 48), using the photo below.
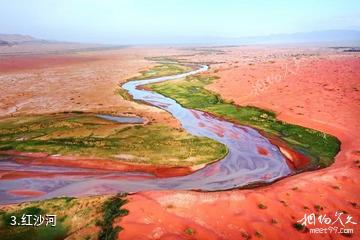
(307, 37)
(330, 36)
(14, 39)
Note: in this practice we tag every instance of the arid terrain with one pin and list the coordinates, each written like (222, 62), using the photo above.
(314, 87)
(84, 81)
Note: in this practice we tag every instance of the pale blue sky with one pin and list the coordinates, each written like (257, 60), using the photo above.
(125, 21)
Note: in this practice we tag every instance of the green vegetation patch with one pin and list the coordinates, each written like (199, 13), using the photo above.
(191, 93)
(123, 93)
(163, 70)
(83, 134)
(111, 210)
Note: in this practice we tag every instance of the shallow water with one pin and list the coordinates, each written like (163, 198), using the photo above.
(121, 119)
(242, 166)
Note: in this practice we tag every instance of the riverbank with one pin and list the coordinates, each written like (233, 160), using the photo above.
(320, 148)
(89, 141)
(270, 212)
(267, 212)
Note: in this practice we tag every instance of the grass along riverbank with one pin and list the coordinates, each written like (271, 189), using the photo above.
(162, 70)
(191, 93)
(83, 134)
(159, 70)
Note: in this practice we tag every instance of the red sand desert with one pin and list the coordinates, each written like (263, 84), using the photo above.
(313, 87)
(84, 81)
(320, 91)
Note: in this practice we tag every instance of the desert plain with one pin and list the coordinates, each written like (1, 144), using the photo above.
(316, 87)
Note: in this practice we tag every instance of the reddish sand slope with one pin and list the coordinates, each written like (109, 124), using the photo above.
(304, 90)
(21, 63)
(76, 162)
(86, 81)
(321, 93)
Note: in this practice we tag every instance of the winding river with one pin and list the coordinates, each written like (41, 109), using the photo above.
(243, 165)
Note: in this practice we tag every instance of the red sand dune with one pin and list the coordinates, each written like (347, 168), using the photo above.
(43, 159)
(324, 95)
(26, 192)
(295, 160)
